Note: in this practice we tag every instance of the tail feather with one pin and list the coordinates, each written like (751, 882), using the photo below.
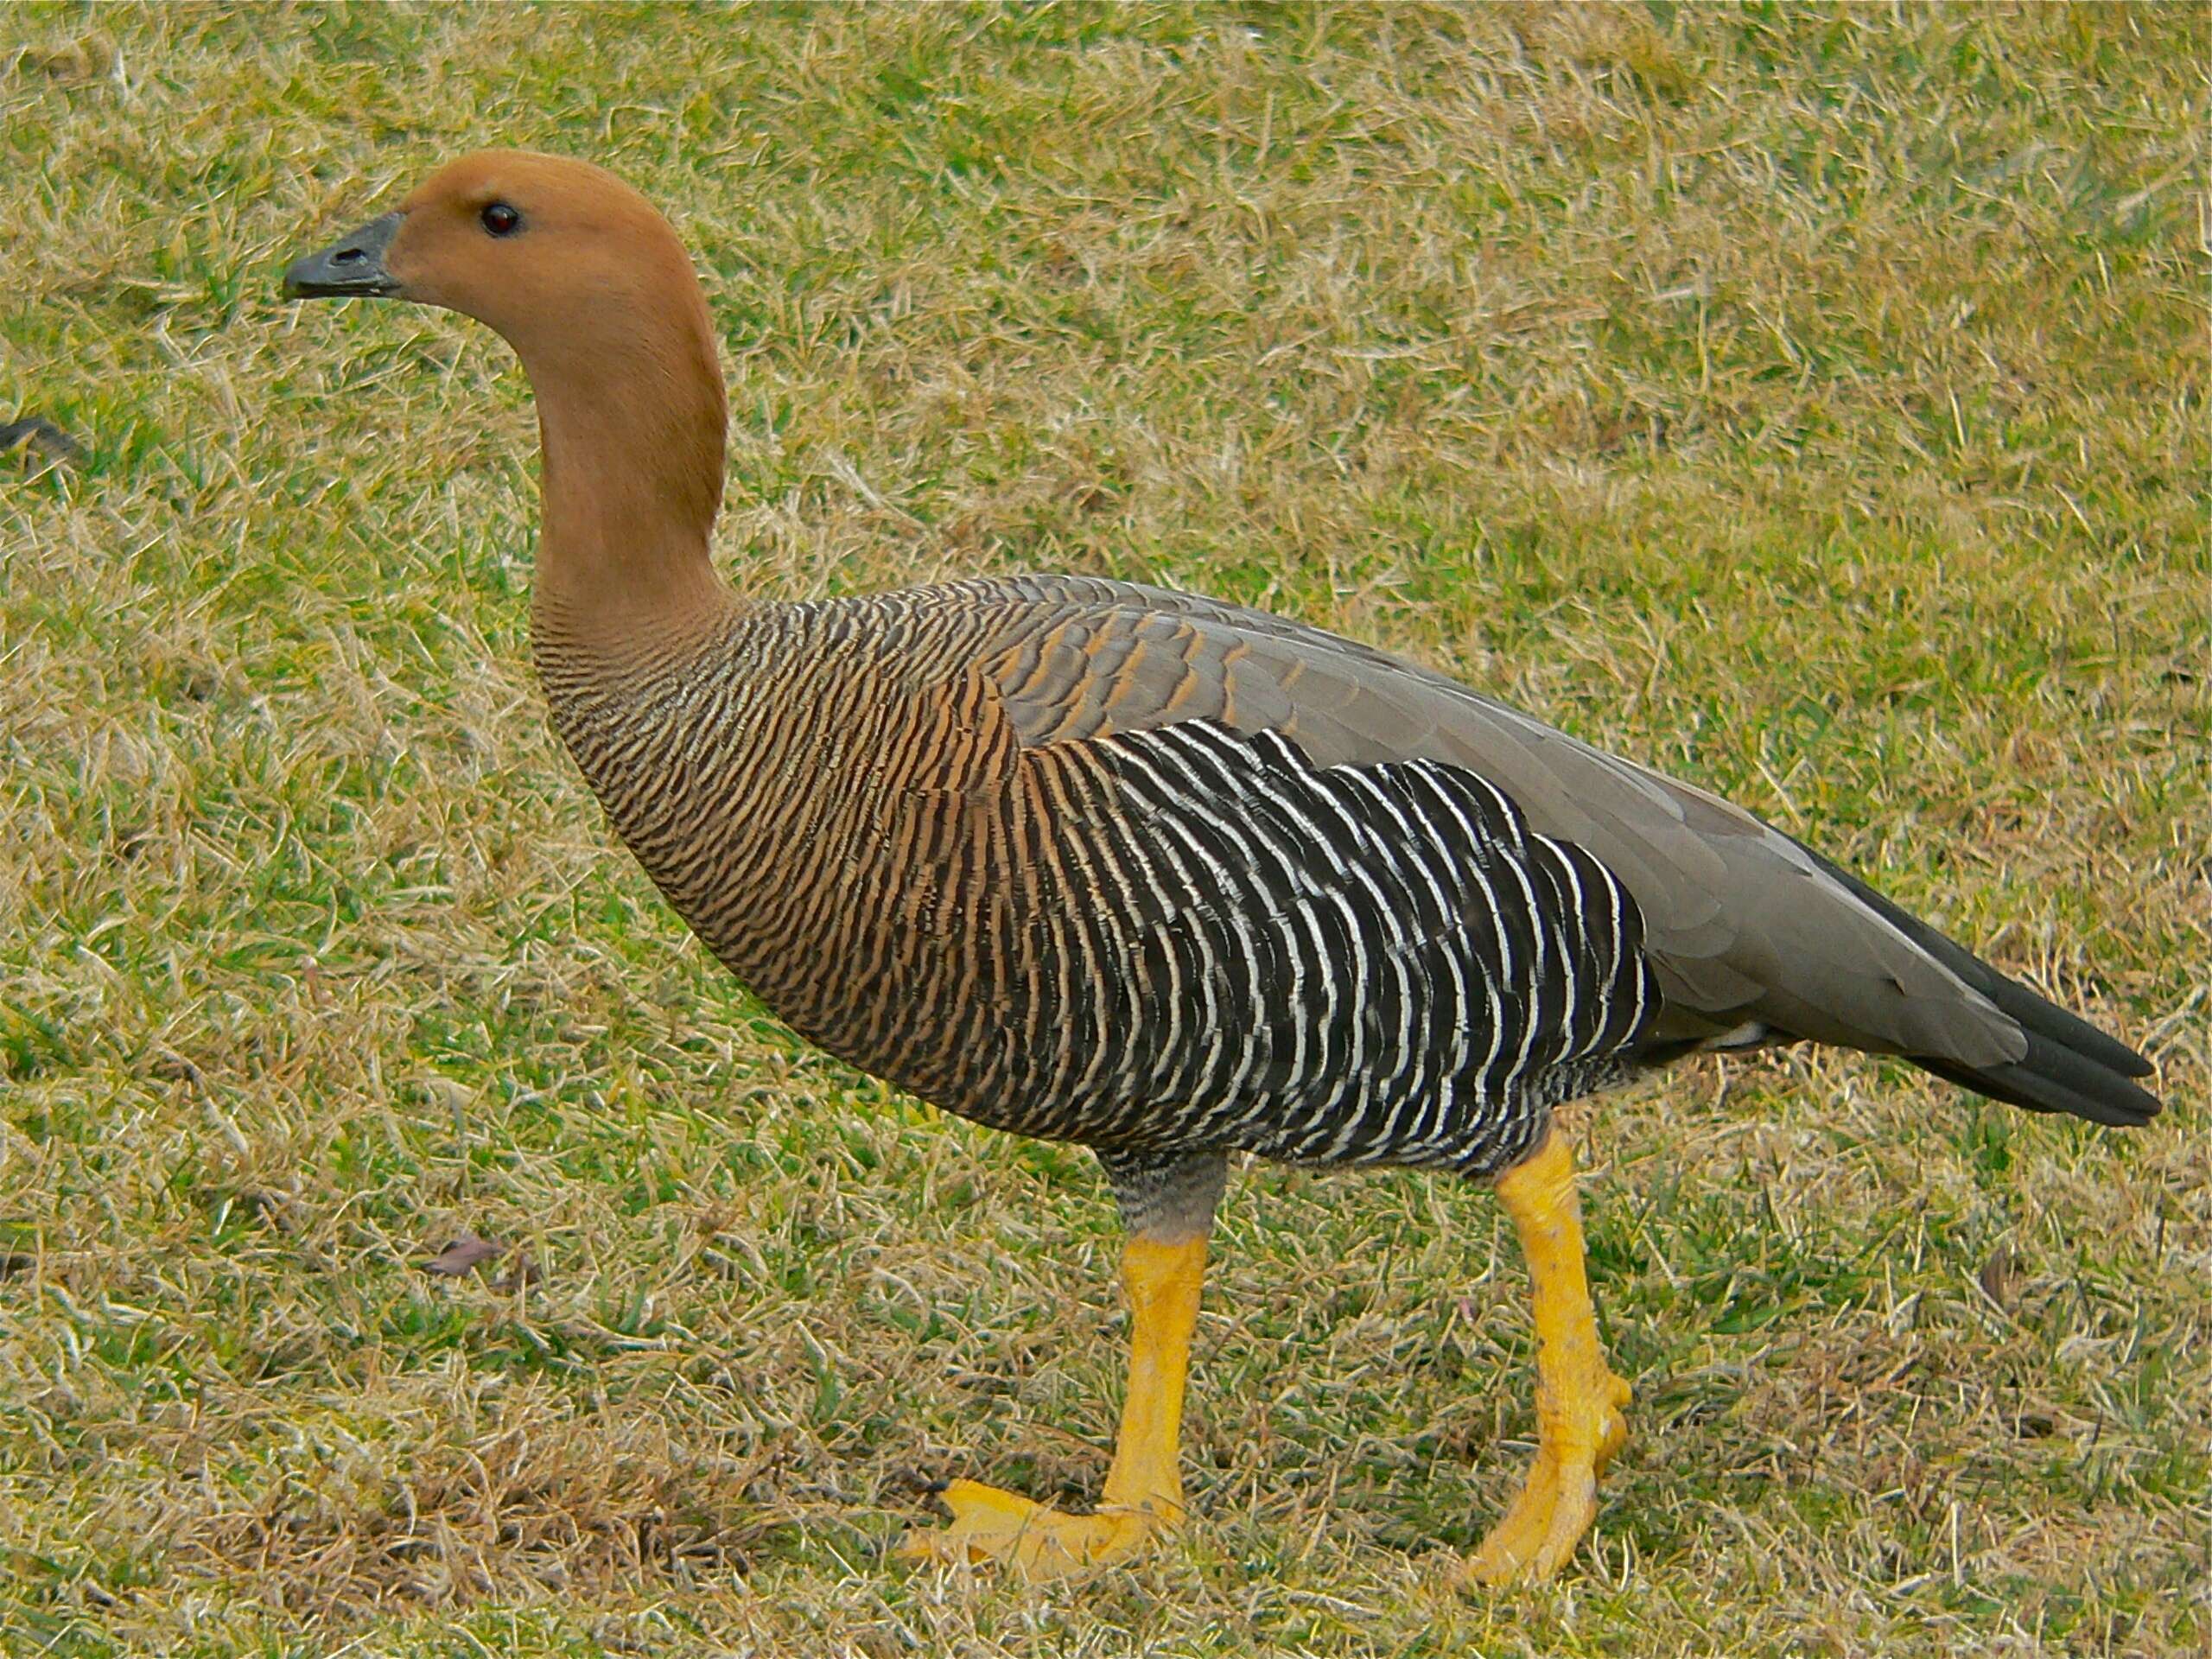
(2054, 1079)
(2070, 1066)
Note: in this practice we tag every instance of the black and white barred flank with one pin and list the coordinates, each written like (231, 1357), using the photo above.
(1174, 940)
(956, 837)
(1375, 964)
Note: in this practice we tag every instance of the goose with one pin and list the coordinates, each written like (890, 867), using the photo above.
(1166, 877)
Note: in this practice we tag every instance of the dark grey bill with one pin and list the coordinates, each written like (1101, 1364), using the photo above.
(350, 268)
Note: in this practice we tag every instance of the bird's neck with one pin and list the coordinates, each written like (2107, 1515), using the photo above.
(631, 431)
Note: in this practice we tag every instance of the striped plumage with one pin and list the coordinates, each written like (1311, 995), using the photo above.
(1060, 855)
(1180, 938)
(1132, 868)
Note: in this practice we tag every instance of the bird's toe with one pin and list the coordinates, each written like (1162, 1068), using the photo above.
(1559, 1500)
(989, 1524)
(1539, 1533)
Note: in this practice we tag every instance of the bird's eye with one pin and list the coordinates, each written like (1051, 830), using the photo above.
(501, 220)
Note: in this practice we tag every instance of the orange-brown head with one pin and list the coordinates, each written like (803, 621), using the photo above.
(589, 284)
(568, 263)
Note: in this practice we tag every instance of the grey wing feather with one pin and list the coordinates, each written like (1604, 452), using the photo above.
(1743, 923)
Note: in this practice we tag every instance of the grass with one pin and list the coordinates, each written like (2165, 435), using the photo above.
(1810, 402)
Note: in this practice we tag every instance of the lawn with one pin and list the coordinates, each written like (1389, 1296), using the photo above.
(1811, 403)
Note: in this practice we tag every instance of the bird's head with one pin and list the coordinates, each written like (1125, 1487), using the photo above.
(564, 260)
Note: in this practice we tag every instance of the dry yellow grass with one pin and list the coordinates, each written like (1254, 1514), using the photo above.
(1810, 402)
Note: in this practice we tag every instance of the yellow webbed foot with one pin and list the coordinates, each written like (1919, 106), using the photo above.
(991, 1525)
(1559, 1499)
(1143, 1492)
(1579, 1402)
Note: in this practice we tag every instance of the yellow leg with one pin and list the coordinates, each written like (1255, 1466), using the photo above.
(1144, 1486)
(1579, 1400)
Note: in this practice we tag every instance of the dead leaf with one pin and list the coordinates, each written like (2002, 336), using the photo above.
(2000, 1275)
(36, 437)
(466, 1252)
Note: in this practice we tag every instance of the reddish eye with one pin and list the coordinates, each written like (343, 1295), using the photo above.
(501, 220)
